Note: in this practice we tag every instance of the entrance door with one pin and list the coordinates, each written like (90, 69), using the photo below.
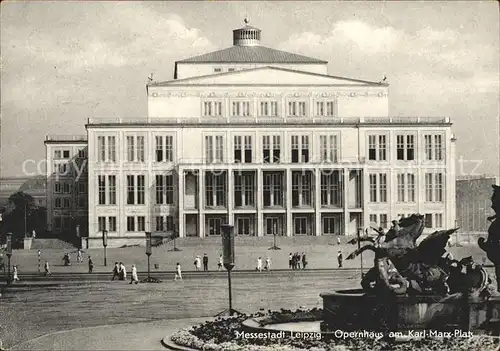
(214, 225)
(273, 226)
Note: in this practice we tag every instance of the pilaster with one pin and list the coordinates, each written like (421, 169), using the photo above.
(180, 203)
(258, 194)
(201, 204)
(346, 200)
(288, 194)
(317, 200)
(230, 196)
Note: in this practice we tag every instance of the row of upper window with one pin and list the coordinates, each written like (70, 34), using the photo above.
(269, 108)
(300, 148)
(302, 187)
(70, 187)
(66, 154)
(135, 223)
(67, 203)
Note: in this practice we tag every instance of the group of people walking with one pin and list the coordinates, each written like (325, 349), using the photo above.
(199, 260)
(267, 267)
(120, 272)
(296, 259)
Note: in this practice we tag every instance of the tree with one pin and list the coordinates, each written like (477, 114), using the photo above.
(22, 215)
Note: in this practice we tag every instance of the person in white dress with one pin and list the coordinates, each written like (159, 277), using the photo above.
(15, 278)
(47, 269)
(178, 273)
(123, 271)
(268, 264)
(259, 264)
(134, 278)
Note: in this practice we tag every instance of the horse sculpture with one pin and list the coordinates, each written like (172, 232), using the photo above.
(492, 245)
(401, 266)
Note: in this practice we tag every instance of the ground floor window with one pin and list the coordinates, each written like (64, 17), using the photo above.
(301, 225)
(244, 226)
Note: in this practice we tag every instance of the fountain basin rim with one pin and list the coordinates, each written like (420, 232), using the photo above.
(360, 294)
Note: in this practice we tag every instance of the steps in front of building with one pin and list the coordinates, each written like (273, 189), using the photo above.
(41, 244)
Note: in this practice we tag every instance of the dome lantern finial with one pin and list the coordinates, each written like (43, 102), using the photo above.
(247, 35)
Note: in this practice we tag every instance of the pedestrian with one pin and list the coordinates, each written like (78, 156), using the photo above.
(47, 269)
(205, 262)
(221, 262)
(79, 257)
(14, 272)
(297, 260)
(134, 278)
(123, 272)
(198, 263)
(91, 265)
(116, 272)
(304, 260)
(338, 240)
(339, 259)
(267, 267)
(259, 264)
(290, 261)
(178, 273)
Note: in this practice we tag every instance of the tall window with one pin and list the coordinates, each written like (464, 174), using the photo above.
(102, 189)
(244, 189)
(434, 187)
(112, 189)
(271, 148)
(297, 108)
(244, 226)
(300, 148)
(141, 223)
(164, 146)
(214, 148)
(111, 149)
(212, 108)
(377, 147)
(112, 224)
(405, 147)
(240, 108)
(331, 194)
(243, 149)
(406, 187)
(433, 147)
(331, 225)
(383, 220)
(325, 108)
(141, 189)
(159, 224)
(130, 149)
(164, 189)
(268, 108)
(301, 189)
(101, 224)
(130, 224)
(215, 189)
(428, 220)
(101, 148)
(135, 148)
(130, 190)
(328, 148)
(273, 189)
(378, 187)
(438, 220)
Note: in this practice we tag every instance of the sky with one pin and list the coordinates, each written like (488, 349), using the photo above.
(63, 62)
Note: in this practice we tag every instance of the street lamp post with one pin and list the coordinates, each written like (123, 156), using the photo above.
(8, 251)
(228, 257)
(39, 254)
(105, 244)
(360, 232)
(149, 251)
(275, 230)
